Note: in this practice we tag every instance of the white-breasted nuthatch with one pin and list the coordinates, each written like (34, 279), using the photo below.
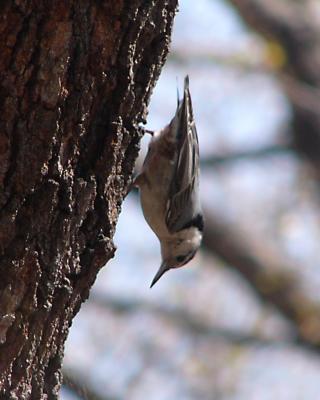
(169, 188)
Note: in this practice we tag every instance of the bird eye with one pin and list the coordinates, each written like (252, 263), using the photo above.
(180, 259)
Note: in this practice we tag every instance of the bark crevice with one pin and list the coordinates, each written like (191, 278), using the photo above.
(75, 83)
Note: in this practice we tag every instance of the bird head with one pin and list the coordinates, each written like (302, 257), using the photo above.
(177, 253)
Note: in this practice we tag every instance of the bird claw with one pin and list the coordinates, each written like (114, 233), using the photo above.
(149, 131)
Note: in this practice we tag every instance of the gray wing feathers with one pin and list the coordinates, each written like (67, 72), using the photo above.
(183, 198)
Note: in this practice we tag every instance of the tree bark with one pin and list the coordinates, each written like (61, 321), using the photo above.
(76, 77)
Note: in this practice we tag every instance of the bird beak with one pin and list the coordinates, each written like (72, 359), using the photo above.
(163, 268)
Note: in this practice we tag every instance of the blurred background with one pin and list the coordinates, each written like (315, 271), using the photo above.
(242, 321)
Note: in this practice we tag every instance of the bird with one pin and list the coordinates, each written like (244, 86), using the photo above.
(169, 187)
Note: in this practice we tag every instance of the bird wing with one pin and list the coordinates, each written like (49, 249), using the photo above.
(183, 198)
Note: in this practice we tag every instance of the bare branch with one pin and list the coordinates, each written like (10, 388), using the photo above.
(268, 279)
(296, 28)
(246, 155)
(189, 322)
(292, 25)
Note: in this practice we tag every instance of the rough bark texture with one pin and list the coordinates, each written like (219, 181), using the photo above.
(76, 77)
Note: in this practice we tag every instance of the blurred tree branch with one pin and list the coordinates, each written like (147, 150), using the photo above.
(179, 316)
(246, 155)
(268, 278)
(190, 323)
(295, 26)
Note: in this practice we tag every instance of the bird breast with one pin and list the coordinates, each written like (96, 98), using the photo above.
(154, 191)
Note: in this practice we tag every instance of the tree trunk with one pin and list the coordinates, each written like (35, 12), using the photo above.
(76, 77)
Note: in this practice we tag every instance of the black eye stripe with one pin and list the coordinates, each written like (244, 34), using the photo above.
(186, 258)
